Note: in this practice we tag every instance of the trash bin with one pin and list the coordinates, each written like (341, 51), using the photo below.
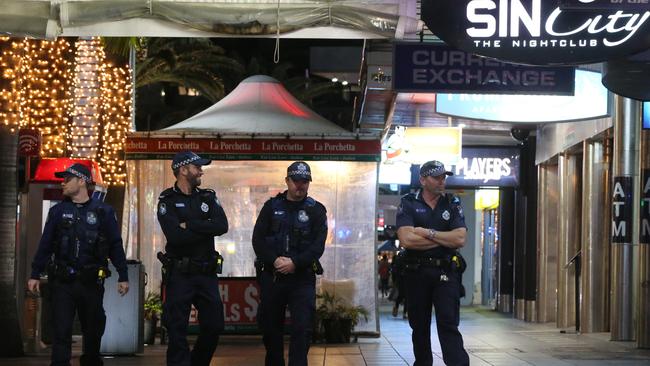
(124, 332)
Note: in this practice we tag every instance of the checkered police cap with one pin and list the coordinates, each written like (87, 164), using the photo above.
(433, 168)
(76, 170)
(188, 157)
(299, 170)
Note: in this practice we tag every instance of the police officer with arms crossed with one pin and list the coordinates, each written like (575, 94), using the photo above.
(190, 218)
(288, 239)
(431, 227)
(79, 235)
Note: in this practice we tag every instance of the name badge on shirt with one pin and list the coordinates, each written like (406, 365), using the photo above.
(180, 204)
(421, 210)
(67, 215)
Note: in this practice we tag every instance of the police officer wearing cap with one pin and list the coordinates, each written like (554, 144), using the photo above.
(190, 218)
(80, 234)
(288, 239)
(431, 227)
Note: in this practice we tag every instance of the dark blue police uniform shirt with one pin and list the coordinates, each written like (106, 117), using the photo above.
(104, 221)
(203, 215)
(447, 215)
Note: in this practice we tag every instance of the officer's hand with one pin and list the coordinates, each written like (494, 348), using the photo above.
(122, 288)
(286, 266)
(183, 225)
(34, 286)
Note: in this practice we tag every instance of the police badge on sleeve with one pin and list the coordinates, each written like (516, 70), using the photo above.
(204, 207)
(162, 208)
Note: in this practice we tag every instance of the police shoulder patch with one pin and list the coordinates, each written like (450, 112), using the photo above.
(162, 208)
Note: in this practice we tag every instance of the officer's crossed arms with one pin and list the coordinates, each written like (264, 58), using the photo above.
(420, 238)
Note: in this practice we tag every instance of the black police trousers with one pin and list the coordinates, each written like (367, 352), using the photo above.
(277, 292)
(181, 291)
(87, 300)
(424, 289)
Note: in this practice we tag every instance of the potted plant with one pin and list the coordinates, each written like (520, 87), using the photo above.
(335, 319)
(152, 311)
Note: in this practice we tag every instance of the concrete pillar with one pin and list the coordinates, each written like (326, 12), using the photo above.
(643, 309)
(547, 239)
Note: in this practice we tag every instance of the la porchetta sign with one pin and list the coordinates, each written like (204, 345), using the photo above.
(540, 32)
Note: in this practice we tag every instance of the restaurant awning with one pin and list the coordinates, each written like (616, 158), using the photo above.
(210, 18)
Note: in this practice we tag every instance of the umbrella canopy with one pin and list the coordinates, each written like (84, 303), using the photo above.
(259, 104)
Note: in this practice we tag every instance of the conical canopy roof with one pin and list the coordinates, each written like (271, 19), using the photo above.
(259, 105)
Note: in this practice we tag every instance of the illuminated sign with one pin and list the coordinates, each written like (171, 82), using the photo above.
(590, 101)
(538, 32)
(439, 143)
(646, 116)
(436, 68)
(604, 4)
(414, 145)
(379, 77)
(486, 166)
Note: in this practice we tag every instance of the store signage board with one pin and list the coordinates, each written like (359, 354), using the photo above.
(590, 101)
(538, 32)
(644, 232)
(414, 145)
(604, 4)
(622, 201)
(486, 166)
(154, 148)
(438, 68)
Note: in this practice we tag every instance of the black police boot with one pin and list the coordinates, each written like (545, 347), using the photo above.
(86, 360)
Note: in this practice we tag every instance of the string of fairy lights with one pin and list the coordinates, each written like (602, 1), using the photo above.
(80, 103)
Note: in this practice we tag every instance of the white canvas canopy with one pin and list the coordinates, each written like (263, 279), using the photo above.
(210, 18)
(259, 105)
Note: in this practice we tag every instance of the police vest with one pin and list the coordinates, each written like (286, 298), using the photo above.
(291, 227)
(79, 238)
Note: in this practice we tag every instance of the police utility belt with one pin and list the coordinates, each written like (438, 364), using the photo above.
(316, 267)
(453, 263)
(187, 265)
(87, 274)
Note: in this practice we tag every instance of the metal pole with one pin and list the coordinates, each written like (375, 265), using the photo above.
(626, 165)
(643, 309)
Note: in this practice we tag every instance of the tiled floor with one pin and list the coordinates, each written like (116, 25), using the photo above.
(490, 339)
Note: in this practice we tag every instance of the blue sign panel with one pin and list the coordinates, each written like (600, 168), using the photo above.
(486, 166)
(646, 115)
(436, 68)
(590, 101)
(481, 167)
(605, 4)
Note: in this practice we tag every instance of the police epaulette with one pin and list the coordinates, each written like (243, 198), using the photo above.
(310, 202)
(452, 198)
(409, 196)
(208, 190)
(166, 193)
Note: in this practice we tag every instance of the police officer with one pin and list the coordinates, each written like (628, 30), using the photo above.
(431, 227)
(79, 235)
(288, 239)
(190, 218)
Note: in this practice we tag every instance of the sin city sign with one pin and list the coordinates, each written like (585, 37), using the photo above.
(539, 32)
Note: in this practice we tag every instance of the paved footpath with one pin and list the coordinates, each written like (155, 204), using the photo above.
(490, 338)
